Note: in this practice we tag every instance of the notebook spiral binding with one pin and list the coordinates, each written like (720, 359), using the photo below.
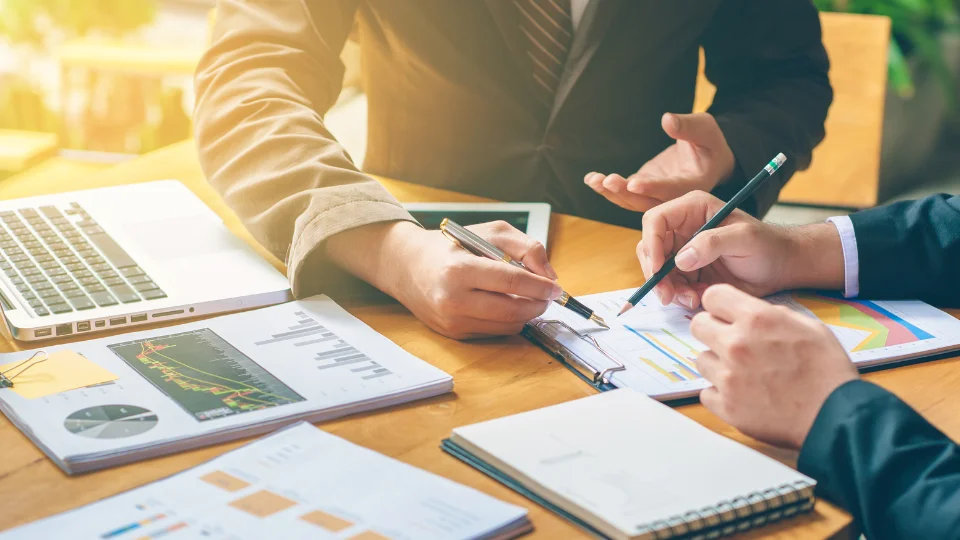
(737, 514)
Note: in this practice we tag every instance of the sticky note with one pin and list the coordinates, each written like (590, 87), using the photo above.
(63, 370)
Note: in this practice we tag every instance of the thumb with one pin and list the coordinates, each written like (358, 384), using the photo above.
(708, 246)
(697, 128)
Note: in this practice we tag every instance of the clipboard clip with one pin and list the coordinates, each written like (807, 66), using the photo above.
(6, 378)
(594, 374)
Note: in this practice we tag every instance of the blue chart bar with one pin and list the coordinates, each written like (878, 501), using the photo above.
(132, 526)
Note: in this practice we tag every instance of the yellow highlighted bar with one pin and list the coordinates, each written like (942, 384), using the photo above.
(660, 370)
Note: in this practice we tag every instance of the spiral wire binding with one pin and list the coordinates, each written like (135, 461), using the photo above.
(767, 506)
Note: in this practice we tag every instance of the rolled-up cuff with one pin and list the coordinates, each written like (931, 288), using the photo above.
(308, 268)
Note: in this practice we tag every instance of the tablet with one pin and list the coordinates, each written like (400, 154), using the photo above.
(530, 218)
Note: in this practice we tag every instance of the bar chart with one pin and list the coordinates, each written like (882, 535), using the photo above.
(670, 355)
(333, 352)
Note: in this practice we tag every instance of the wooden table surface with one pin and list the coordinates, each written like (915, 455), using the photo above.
(492, 378)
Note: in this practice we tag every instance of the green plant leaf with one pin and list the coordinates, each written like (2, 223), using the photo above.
(898, 72)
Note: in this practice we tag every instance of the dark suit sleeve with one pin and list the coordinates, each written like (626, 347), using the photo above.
(911, 250)
(875, 456)
(770, 69)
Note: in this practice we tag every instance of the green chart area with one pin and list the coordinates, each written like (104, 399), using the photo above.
(204, 374)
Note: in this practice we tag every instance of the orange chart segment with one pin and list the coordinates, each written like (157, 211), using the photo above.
(262, 503)
(883, 327)
(224, 481)
(369, 535)
(326, 521)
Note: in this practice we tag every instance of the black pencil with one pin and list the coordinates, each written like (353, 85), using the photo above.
(732, 205)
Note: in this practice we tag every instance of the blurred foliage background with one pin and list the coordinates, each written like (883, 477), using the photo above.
(111, 106)
(923, 30)
(92, 72)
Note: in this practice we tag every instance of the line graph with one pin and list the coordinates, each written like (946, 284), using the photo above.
(204, 374)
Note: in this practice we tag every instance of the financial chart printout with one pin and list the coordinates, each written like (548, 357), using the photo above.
(655, 345)
(204, 374)
(297, 483)
(246, 371)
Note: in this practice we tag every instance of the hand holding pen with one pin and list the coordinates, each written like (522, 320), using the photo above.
(480, 247)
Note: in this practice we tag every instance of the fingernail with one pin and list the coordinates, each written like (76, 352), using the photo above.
(686, 301)
(687, 258)
(557, 292)
(672, 121)
(549, 268)
(588, 175)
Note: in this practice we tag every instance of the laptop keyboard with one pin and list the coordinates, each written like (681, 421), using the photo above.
(60, 266)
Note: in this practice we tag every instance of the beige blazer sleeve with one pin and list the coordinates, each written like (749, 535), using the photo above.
(271, 73)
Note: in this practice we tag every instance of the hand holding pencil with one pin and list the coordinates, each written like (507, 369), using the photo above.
(683, 234)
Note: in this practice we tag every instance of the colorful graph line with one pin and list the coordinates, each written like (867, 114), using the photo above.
(235, 394)
(132, 526)
(884, 327)
(684, 364)
(165, 531)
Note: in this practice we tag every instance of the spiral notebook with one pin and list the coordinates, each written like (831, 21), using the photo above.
(624, 466)
(650, 348)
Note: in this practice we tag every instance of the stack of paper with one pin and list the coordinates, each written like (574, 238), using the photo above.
(161, 391)
(297, 483)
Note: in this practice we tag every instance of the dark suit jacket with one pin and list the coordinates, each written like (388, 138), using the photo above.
(875, 456)
(911, 250)
(452, 105)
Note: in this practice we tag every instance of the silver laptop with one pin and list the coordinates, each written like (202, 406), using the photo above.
(88, 261)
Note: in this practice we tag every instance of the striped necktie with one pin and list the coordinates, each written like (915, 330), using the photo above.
(549, 31)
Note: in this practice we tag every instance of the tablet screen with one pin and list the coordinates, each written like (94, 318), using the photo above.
(431, 219)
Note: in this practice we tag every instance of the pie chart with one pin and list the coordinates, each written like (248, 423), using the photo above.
(110, 421)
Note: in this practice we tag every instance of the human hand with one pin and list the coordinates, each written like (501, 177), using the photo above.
(756, 257)
(452, 291)
(699, 160)
(771, 368)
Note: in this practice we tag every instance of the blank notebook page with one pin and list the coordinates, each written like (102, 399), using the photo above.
(626, 458)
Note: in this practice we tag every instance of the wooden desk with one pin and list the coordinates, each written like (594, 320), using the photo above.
(493, 378)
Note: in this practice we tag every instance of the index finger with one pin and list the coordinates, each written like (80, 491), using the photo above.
(496, 276)
(521, 247)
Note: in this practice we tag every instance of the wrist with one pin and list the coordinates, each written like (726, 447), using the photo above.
(816, 258)
(375, 253)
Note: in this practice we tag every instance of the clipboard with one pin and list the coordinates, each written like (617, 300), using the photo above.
(541, 332)
(599, 378)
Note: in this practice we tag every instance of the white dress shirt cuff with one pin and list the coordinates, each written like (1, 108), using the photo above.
(851, 261)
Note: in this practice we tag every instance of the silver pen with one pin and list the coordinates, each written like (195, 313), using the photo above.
(473, 243)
